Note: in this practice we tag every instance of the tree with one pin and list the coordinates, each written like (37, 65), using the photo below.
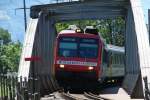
(10, 55)
(61, 26)
(112, 30)
(5, 36)
(9, 52)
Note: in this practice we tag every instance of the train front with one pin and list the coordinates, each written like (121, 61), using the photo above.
(77, 56)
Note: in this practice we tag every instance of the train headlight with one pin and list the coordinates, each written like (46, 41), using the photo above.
(78, 30)
(90, 68)
(61, 66)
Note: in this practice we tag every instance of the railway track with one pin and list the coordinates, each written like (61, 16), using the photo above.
(68, 96)
(94, 96)
(59, 94)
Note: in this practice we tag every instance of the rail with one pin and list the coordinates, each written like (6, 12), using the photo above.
(70, 96)
(93, 96)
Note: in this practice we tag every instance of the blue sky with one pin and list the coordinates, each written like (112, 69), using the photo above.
(12, 19)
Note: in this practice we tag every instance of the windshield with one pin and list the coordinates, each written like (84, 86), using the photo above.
(88, 50)
(68, 49)
(78, 47)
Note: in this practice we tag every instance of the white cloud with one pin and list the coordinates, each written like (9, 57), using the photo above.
(4, 15)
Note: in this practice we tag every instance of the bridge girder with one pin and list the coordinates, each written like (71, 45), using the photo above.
(137, 45)
(94, 9)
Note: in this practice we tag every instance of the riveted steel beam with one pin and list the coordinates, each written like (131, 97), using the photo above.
(41, 38)
(91, 15)
(97, 6)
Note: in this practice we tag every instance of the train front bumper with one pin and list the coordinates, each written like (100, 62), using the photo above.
(62, 74)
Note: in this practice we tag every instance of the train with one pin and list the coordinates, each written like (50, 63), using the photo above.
(84, 55)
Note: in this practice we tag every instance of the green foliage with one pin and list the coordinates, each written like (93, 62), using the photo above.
(61, 26)
(80, 23)
(10, 55)
(5, 36)
(9, 52)
(111, 30)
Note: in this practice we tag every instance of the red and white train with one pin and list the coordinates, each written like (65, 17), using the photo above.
(86, 56)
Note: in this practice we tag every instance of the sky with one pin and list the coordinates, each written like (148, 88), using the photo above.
(12, 18)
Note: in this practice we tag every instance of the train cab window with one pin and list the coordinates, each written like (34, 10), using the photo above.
(88, 48)
(78, 47)
(67, 47)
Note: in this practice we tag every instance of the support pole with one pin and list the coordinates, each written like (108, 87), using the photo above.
(25, 16)
(149, 23)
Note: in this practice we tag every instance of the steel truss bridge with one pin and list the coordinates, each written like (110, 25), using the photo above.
(41, 33)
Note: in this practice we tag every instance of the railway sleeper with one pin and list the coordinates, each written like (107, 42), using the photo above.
(70, 97)
(94, 97)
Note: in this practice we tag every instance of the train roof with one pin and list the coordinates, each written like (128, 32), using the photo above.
(75, 34)
(114, 49)
(66, 31)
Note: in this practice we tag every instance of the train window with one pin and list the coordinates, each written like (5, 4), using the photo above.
(88, 50)
(117, 59)
(89, 40)
(68, 49)
(105, 56)
(70, 39)
(78, 47)
(120, 59)
(65, 45)
(88, 45)
(113, 59)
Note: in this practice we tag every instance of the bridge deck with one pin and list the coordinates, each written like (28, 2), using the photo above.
(112, 93)
(116, 93)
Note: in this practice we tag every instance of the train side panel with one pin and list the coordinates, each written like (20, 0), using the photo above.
(113, 65)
